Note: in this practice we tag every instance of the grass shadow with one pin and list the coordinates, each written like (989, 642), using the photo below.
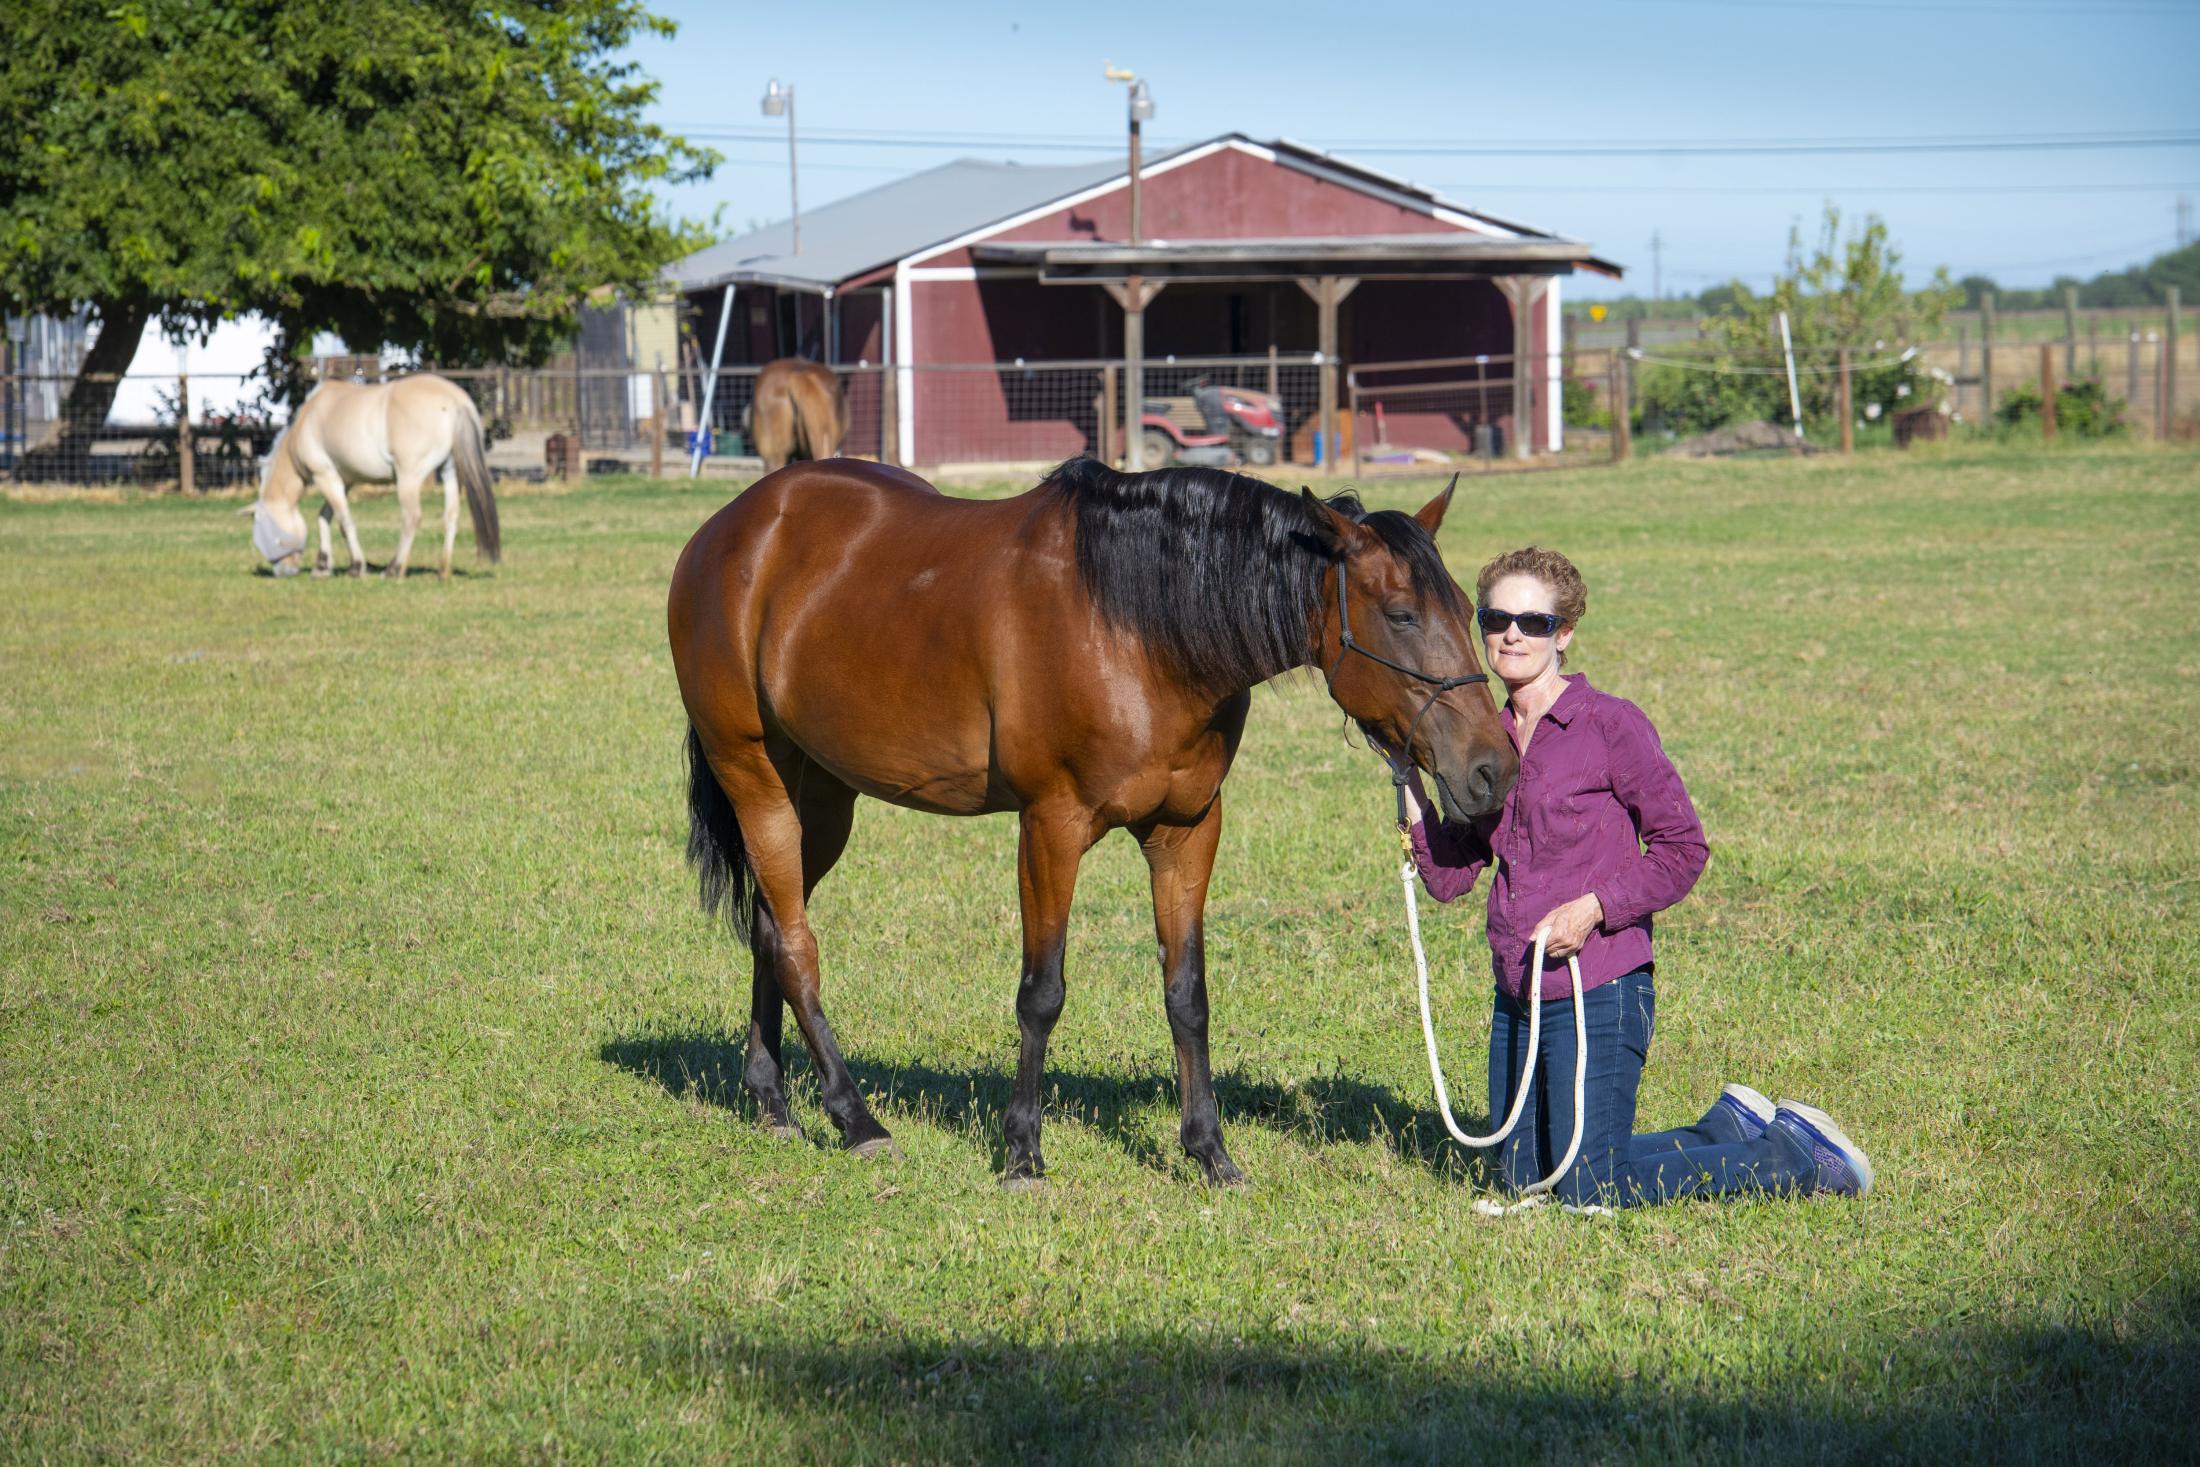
(2094, 1389)
(706, 1066)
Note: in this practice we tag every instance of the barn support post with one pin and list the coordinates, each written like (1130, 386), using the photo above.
(1109, 424)
(1328, 292)
(710, 384)
(1134, 295)
(1524, 292)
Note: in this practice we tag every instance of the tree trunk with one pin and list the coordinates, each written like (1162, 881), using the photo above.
(66, 451)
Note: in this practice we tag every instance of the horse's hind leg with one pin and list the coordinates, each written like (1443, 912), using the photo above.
(827, 811)
(408, 524)
(450, 516)
(773, 833)
(1180, 859)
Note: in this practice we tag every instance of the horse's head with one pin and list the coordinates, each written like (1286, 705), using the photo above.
(278, 525)
(1392, 641)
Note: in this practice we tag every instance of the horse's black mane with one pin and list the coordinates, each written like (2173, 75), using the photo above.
(1218, 572)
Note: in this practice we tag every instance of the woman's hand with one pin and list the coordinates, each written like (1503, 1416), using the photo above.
(1569, 926)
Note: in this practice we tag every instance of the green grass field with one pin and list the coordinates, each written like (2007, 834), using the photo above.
(370, 1081)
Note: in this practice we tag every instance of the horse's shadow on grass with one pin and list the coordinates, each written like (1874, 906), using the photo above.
(1321, 1110)
(372, 572)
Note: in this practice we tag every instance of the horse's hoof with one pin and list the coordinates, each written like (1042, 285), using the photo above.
(876, 1146)
(359, 570)
(1225, 1174)
(1023, 1183)
(393, 573)
(322, 572)
(783, 1130)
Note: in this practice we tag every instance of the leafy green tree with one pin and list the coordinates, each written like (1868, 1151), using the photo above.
(439, 177)
(1847, 291)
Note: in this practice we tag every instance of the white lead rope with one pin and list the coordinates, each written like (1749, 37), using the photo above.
(1408, 877)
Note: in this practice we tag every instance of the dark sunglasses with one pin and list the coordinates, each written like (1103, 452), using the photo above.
(1532, 623)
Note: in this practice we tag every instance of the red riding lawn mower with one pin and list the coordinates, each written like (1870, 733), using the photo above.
(1215, 427)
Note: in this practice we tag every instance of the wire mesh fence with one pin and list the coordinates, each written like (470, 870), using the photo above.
(206, 432)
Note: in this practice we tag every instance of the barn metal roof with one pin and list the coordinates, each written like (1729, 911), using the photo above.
(870, 231)
(881, 225)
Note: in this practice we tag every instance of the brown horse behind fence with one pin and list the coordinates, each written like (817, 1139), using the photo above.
(798, 412)
(1083, 655)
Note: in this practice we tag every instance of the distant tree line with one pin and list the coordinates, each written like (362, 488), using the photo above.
(2136, 285)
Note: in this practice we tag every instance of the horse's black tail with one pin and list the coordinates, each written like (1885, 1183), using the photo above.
(715, 849)
(472, 462)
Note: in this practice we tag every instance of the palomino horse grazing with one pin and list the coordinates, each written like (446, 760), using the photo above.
(798, 413)
(1083, 655)
(345, 433)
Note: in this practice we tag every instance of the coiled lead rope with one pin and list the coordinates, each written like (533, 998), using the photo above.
(1532, 1194)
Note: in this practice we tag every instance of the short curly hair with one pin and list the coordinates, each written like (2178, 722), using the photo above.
(1570, 595)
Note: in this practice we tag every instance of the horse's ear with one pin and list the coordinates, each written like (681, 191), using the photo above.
(1332, 528)
(1431, 514)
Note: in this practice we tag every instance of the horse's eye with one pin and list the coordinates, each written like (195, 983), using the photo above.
(1399, 617)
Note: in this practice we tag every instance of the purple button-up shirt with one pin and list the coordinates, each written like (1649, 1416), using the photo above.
(1598, 808)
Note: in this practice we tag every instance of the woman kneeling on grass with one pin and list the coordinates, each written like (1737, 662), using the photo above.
(1596, 836)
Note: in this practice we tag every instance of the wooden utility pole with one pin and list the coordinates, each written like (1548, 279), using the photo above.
(186, 470)
(2047, 391)
(1848, 414)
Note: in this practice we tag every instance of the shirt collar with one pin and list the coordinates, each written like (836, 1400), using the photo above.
(1571, 700)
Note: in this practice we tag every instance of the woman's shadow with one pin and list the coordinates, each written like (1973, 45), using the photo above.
(706, 1066)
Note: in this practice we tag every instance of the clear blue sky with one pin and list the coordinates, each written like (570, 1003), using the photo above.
(1001, 79)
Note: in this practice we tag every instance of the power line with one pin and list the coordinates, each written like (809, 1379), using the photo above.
(1489, 186)
(1953, 7)
(1568, 148)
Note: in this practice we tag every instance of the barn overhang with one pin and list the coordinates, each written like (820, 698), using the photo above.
(1233, 261)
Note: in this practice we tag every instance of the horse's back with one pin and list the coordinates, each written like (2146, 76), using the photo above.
(370, 432)
(851, 606)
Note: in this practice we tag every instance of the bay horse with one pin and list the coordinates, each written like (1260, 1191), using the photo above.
(403, 432)
(797, 413)
(1082, 655)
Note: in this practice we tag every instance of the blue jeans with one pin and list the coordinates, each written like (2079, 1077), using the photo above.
(1616, 1167)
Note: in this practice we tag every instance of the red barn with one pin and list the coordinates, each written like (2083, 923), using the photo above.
(1245, 248)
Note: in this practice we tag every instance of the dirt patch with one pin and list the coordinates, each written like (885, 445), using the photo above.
(1742, 438)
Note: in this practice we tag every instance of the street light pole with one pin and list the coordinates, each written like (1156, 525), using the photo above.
(777, 100)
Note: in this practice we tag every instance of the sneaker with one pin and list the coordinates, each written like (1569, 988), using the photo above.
(1842, 1165)
(1747, 1108)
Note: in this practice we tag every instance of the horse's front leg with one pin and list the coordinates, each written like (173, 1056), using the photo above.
(1053, 839)
(326, 565)
(331, 485)
(1181, 858)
